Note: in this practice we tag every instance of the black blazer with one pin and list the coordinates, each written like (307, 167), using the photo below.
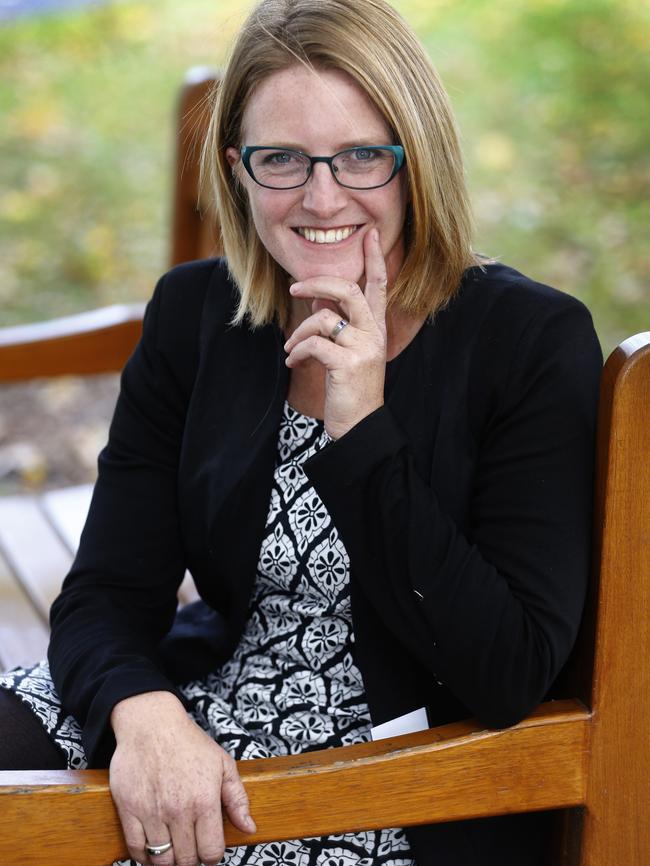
(464, 504)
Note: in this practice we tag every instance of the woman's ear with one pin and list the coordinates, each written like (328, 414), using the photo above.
(234, 161)
(232, 155)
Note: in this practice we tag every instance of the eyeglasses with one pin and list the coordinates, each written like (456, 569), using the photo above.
(354, 168)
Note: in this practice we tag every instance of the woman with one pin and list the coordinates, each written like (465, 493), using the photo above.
(371, 447)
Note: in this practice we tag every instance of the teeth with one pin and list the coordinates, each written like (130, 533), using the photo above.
(331, 236)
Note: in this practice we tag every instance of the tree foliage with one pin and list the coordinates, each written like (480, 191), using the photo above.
(552, 98)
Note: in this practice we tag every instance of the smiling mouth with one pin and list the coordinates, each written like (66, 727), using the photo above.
(325, 236)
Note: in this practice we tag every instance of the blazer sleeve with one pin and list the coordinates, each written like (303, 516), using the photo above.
(119, 598)
(492, 608)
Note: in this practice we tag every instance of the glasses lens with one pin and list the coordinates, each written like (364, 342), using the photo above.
(279, 169)
(363, 167)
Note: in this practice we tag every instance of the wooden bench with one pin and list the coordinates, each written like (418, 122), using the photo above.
(588, 755)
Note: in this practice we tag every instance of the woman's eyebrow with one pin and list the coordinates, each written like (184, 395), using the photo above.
(365, 141)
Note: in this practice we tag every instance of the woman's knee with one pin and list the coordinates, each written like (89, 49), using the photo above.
(24, 742)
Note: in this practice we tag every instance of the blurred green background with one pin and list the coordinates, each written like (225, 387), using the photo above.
(552, 96)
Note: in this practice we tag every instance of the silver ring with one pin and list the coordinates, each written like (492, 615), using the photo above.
(155, 850)
(338, 327)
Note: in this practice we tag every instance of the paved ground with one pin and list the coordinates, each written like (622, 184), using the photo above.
(51, 432)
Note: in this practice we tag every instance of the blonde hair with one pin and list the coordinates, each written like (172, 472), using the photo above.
(371, 42)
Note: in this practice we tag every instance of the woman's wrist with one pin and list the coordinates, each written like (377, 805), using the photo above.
(138, 711)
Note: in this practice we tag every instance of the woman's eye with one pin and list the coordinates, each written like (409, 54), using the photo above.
(280, 157)
(364, 153)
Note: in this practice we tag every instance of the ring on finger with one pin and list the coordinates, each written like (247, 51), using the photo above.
(338, 327)
(155, 850)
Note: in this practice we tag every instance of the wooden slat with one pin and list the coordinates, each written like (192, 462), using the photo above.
(23, 635)
(67, 509)
(449, 773)
(36, 554)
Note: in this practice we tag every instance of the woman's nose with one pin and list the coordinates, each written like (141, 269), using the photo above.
(322, 194)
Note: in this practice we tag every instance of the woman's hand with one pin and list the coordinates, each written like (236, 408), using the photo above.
(356, 362)
(168, 779)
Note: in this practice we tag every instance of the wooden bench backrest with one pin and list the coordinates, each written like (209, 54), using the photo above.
(195, 232)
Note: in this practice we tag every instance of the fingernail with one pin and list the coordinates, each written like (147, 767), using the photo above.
(251, 826)
(294, 288)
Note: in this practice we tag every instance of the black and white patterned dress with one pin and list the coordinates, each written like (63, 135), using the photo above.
(291, 685)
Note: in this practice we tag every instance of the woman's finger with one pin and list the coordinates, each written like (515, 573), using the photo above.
(235, 798)
(158, 834)
(183, 837)
(323, 323)
(376, 276)
(328, 353)
(345, 293)
(323, 304)
(210, 842)
(134, 836)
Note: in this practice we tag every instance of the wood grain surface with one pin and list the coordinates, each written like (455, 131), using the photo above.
(100, 341)
(617, 821)
(449, 773)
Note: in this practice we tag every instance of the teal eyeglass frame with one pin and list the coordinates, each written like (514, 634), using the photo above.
(396, 149)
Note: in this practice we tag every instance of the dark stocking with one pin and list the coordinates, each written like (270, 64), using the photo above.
(24, 742)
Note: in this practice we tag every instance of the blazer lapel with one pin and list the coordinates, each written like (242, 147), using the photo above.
(229, 454)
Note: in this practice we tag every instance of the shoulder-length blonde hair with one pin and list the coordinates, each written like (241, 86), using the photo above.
(370, 41)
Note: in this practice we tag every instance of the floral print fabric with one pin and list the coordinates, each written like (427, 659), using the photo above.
(292, 684)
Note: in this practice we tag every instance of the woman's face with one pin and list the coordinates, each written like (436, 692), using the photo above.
(320, 114)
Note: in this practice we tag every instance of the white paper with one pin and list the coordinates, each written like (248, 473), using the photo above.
(409, 723)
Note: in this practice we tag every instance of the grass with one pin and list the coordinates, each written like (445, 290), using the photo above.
(551, 97)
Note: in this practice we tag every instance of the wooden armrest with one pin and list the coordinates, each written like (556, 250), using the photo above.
(99, 341)
(444, 774)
